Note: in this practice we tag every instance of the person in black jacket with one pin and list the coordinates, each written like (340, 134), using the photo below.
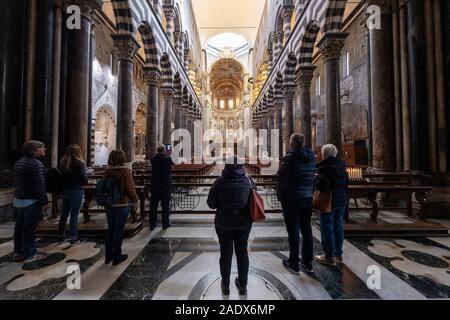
(295, 191)
(160, 186)
(73, 178)
(332, 223)
(229, 195)
(30, 200)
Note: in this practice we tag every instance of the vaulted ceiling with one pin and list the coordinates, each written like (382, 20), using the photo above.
(237, 16)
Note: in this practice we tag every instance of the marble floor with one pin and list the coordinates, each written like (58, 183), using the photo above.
(182, 263)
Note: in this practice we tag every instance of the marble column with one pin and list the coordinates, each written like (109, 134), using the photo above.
(440, 83)
(177, 111)
(126, 48)
(168, 94)
(77, 90)
(279, 102)
(431, 84)
(287, 17)
(57, 33)
(152, 78)
(406, 132)
(382, 80)
(330, 47)
(304, 78)
(12, 65)
(30, 66)
(288, 116)
(417, 80)
(170, 24)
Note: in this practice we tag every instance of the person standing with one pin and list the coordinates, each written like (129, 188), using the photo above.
(161, 186)
(295, 192)
(332, 223)
(73, 178)
(230, 195)
(30, 200)
(118, 213)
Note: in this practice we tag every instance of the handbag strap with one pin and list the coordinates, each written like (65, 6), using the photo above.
(249, 182)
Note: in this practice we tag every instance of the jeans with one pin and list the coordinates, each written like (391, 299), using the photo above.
(238, 238)
(297, 216)
(72, 202)
(117, 218)
(155, 198)
(27, 220)
(332, 232)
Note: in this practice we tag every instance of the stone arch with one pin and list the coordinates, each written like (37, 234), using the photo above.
(289, 71)
(278, 88)
(334, 15)
(307, 43)
(124, 17)
(177, 20)
(150, 48)
(166, 71)
(279, 19)
(177, 86)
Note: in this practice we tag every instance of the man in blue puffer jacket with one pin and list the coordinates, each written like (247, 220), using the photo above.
(295, 192)
(30, 199)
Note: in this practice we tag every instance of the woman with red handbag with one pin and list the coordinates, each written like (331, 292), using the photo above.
(230, 195)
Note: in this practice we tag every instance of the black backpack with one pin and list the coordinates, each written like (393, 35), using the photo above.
(107, 193)
(53, 181)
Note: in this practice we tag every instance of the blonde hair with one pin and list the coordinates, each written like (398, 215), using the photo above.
(72, 152)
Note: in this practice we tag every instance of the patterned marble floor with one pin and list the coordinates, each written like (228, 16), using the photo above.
(182, 263)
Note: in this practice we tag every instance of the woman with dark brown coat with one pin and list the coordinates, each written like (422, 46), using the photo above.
(118, 213)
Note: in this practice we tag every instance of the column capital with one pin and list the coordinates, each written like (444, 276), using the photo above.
(87, 7)
(289, 92)
(277, 36)
(385, 5)
(126, 46)
(286, 13)
(331, 44)
(304, 75)
(169, 12)
(168, 92)
(152, 76)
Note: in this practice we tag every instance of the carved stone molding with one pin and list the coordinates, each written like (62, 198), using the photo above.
(168, 92)
(87, 7)
(126, 46)
(289, 92)
(304, 76)
(152, 77)
(169, 13)
(331, 44)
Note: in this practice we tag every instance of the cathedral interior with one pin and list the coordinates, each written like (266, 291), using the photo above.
(371, 77)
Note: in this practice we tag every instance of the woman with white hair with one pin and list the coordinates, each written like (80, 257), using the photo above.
(332, 223)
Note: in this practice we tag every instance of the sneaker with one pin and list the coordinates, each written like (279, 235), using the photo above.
(17, 257)
(167, 226)
(242, 290)
(152, 228)
(288, 266)
(62, 238)
(225, 290)
(339, 259)
(121, 259)
(323, 260)
(37, 256)
(307, 267)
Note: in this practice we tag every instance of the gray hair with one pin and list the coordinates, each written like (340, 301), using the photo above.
(329, 150)
(297, 140)
(30, 147)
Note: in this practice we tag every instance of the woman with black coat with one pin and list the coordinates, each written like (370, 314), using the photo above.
(334, 170)
(73, 178)
(229, 195)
